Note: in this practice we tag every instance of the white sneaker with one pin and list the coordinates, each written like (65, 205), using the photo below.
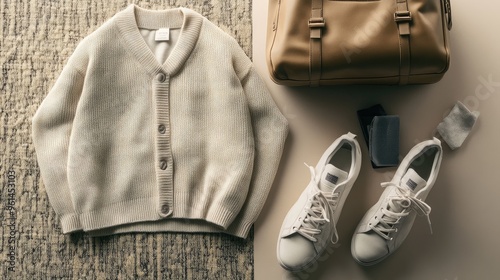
(311, 222)
(386, 225)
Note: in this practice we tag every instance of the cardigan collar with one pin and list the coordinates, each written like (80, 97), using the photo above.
(134, 17)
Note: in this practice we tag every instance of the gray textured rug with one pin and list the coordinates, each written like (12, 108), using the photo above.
(36, 38)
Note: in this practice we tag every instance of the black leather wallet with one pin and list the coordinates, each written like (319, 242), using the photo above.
(365, 117)
(384, 141)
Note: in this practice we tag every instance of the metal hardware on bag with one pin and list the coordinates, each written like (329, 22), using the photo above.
(448, 14)
(316, 24)
(402, 16)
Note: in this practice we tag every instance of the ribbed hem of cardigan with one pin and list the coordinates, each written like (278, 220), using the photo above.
(142, 209)
(70, 223)
(141, 215)
(197, 206)
(175, 225)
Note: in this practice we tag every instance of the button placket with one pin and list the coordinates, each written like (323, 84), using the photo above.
(161, 99)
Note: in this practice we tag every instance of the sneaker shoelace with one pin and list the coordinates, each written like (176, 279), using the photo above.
(321, 211)
(395, 210)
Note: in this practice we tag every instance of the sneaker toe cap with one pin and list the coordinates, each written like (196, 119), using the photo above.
(296, 252)
(369, 248)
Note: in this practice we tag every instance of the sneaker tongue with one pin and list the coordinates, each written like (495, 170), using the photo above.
(331, 177)
(412, 181)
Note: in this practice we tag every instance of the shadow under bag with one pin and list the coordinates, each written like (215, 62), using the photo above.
(335, 42)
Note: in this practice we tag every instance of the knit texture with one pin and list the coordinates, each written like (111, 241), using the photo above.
(36, 39)
(127, 142)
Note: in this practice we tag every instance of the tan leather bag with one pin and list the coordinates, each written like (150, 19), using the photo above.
(331, 42)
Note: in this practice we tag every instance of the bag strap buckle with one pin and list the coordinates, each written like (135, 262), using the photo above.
(402, 16)
(316, 24)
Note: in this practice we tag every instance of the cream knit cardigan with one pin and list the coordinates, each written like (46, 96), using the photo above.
(135, 137)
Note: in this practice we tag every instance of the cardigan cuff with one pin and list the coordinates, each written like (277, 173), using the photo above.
(221, 216)
(240, 229)
(70, 223)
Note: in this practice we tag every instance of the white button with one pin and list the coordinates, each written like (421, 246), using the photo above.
(160, 77)
(161, 129)
(165, 209)
(163, 164)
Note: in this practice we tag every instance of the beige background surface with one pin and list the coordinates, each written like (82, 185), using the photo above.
(465, 199)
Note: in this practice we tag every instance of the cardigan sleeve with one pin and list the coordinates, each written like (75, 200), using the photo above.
(270, 129)
(51, 130)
